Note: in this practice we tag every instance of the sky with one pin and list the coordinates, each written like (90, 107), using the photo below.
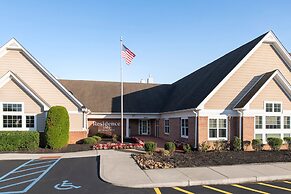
(79, 39)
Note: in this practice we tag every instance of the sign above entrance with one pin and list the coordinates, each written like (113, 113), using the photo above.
(106, 124)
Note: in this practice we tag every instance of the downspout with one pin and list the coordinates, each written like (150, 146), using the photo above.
(196, 113)
(240, 111)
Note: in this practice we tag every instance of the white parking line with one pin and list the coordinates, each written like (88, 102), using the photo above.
(34, 175)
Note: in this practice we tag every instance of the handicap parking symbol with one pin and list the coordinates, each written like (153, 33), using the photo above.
(66, 185)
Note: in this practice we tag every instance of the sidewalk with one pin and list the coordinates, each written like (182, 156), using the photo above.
(120, 169)
(27, 156)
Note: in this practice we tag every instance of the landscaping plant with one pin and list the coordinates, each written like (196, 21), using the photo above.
(220, 145)
(246, 144)
(19, 140)
(288, 141)
(275, 143)
(170, 146)
(187, 148)
(57, 127)
(236, 144)
(98, 138)
(257, 144)
(114, 138)
(150, 147)
(204, 146)
(89, 140)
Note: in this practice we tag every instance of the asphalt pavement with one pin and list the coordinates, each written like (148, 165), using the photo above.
(81, 175)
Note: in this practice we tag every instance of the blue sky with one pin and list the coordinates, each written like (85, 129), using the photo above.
(78, 39)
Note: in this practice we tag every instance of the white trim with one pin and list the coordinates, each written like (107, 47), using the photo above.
(19, 47)
(117, 116)
(11, 76)
(275, 42)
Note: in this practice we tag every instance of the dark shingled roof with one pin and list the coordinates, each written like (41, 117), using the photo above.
(265, 77)
(101, 96)
(191, 90)
(185, 93)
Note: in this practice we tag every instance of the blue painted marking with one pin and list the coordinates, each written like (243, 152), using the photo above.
(66, 185)
(50, 164)
(42, 175)
(37, 163)
(27, 169)
(14, 184)
(20, 176)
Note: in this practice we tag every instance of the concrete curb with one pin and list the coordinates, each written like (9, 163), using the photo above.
(28, 156)
(153, 178)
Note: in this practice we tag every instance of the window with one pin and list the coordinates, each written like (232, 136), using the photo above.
(273, 107)
(29, 121)
(217, 129)
(212, 128)
(277, 107)
(273, 122)
(184, 128)
(277, 135)
(269, 107)
(259, 136)
(12, 107)
(167, 126)
(259, 122)
(287, 122)
(12, 121)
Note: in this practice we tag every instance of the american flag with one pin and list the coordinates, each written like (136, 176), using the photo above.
(127, 54)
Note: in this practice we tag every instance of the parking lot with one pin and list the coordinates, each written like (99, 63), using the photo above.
(81, 175)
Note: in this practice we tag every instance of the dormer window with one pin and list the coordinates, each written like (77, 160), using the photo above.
(273, 107)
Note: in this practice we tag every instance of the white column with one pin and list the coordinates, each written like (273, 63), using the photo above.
(127, 127)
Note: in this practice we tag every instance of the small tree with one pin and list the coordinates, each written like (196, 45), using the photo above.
(57, 127)
(170, 146)
(288, 141)
(236, 144)
(275, 143)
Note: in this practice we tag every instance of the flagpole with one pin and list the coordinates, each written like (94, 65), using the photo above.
(121, 91)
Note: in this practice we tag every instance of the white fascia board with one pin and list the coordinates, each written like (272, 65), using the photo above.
(268, 38)
(216, 112)
(126, 116)
(10, 75)
(17, 46)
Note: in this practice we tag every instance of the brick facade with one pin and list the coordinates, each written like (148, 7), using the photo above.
(202, 129)
(248, 128)
(75, 136)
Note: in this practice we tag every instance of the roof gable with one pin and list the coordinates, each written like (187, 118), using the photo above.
(13, 44)
(192, 90)
(261, 84)
(11, 76)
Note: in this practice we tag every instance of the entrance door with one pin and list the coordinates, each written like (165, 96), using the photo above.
(143, 127)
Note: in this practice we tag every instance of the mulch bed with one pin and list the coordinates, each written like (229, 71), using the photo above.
(199, 159)
(69, 148)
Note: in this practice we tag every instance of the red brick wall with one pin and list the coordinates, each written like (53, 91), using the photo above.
(202, 129)
(75, 136)
(248, 128)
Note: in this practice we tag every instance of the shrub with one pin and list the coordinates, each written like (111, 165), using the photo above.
(257, 144)
(98, 139)
(187, 148)
(236, 144)
(204, 146)
(170, 146)
(150, 146)
(114, 138)
(166, 153)
(288, 141)
(274, 143)
(57, 127)
(220, 145)
(89, 140)
(19, 140)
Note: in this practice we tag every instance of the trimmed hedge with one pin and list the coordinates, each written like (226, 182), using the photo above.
(98, 139)
(19, 140)
(57, 127)
(257, 144)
